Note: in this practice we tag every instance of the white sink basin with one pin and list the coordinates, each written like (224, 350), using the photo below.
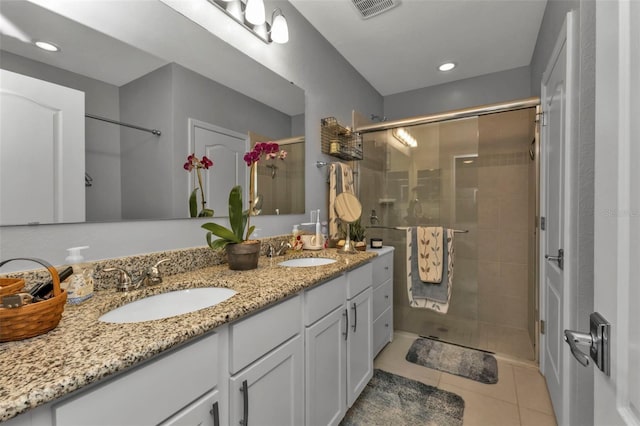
(167, 305)
(307, 261)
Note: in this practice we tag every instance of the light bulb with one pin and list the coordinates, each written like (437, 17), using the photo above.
(447, 66)
(49, 47)
(254, 13)
(279, 28)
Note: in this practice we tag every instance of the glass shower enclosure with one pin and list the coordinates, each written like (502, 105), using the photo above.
(476, 175)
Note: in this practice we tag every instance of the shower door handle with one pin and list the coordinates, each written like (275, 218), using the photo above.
(559, 258)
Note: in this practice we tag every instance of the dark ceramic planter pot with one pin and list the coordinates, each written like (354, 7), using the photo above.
(243, 256)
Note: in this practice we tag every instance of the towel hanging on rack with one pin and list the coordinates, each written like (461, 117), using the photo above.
(426, 295)
(430, 253)
(340, 180)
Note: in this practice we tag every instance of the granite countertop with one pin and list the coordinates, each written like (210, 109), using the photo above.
(83, 350)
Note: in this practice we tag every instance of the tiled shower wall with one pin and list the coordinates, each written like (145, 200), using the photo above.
(504, 231)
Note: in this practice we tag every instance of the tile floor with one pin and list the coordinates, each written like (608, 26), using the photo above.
(519, 398)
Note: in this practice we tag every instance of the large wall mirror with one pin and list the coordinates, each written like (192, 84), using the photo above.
(141, 64)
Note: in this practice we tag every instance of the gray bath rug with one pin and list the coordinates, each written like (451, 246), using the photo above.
(459, 360)
(394, 400)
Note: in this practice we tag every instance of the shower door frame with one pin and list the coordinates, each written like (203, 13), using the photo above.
(362, 126)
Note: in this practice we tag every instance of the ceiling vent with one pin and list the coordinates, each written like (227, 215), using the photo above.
(371, 8)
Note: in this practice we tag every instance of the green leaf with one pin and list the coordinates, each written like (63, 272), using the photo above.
(193, 204)
(250, 231)
(222, 232)
(235, 212)
(216, 244)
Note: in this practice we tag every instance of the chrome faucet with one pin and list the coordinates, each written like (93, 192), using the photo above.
(127, 282)
(279, 251)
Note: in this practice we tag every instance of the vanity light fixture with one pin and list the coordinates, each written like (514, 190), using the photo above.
(251, 15)
(45, 45)
(447, 66)
(405, 137)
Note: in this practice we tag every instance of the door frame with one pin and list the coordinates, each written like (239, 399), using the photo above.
(568, 35)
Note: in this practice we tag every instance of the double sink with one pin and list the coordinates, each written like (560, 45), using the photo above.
(180, 302)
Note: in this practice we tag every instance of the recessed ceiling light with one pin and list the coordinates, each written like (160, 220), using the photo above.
(447, 66)
(468, 161)
(49, 47)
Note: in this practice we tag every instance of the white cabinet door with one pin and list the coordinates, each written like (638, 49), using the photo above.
(270, 392)
(204, 412)
(359, 344)
(326, 369)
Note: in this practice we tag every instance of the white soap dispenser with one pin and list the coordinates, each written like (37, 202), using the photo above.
(80, 286)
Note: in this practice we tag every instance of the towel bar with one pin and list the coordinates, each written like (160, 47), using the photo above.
(404, 228)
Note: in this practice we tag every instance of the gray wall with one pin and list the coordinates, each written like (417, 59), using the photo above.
(485, 89)
(102, 139)
(581, 386)
(147, 158)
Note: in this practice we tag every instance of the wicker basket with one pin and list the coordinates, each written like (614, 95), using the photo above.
(10, 285)
(36, 318)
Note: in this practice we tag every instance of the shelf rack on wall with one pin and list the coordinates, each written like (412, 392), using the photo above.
(338, 141)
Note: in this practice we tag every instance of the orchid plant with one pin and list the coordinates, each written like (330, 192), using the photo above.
(192, 163)
(239, 220)
(268, 150)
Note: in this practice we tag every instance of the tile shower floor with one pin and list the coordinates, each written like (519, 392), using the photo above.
(507, 341)
(519, 398)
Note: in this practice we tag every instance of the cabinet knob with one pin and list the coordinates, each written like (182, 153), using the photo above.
(386, 268)
(387, 325)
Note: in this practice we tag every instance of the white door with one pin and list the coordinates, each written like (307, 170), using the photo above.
(617, 208)
(556, 288)
(41, 151)
(226, 149)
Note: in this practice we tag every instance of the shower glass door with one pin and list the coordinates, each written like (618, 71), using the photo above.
(470, 175)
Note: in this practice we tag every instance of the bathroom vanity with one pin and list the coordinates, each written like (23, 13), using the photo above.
(293, 346)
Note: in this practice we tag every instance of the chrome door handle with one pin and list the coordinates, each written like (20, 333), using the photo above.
(574, 338)
(597, 340)
(559, 258)
(355, 316)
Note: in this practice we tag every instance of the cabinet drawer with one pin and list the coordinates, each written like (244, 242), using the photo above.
(150, 393)
(324, 298)
(359, 279)
(253, 337)
(382, 331)
(382, 268)
(382, 298)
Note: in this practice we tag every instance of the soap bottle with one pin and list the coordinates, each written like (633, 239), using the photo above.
(80, 287)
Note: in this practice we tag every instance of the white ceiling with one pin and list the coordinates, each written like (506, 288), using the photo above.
(399, 50)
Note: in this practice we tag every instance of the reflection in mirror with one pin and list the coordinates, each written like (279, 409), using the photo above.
(127, 173)
(349, 210)
(278, 180)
